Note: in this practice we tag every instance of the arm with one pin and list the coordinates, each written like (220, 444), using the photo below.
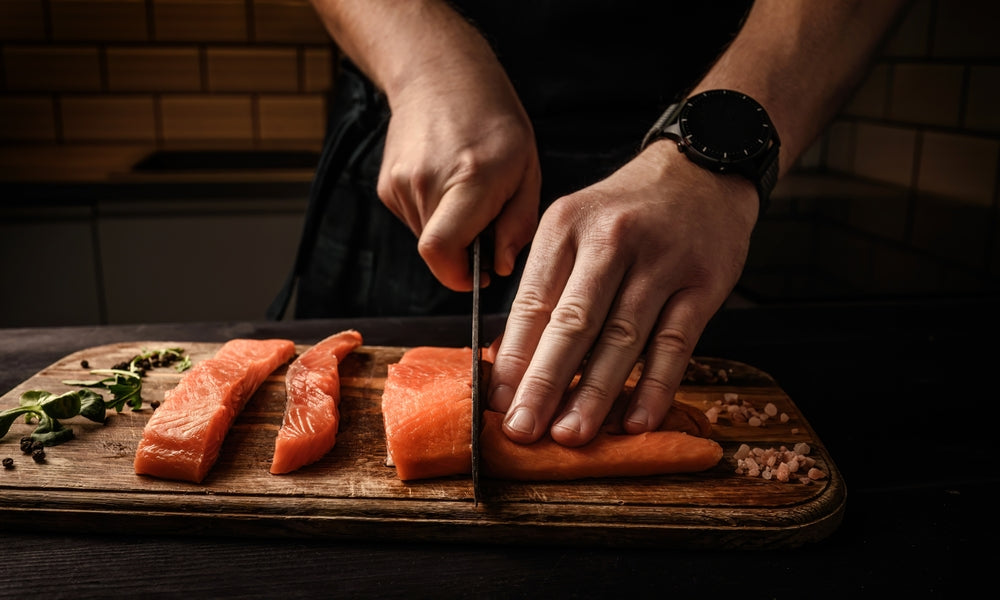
(460, 151)
(641, 261)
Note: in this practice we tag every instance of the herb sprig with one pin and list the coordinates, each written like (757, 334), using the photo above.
(47, 408)
(123, 381)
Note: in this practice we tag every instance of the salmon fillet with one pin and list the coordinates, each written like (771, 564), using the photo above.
(427, 406)
(183, 437)
(312, 397)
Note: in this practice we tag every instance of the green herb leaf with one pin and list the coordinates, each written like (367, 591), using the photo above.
(184, 365)
(8, 417)
(92, 406)
(53, 437)
(33, 397)
(63, 406)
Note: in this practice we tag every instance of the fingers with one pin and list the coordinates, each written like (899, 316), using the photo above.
(465, 210)
(555, 318)
(668, 350)
(515, 225)
(615, 352)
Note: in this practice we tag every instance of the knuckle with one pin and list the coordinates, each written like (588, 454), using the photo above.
(672, 341)
(572, 318)
(657, 387)
(530, 305)
(591, 395)
(539, 388)
(621, 332)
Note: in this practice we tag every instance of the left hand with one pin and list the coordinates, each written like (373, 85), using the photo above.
(639, 261)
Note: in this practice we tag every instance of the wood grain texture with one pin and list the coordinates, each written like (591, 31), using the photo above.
(88, 484)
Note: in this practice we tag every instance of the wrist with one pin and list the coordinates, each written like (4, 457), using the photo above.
(672, 170)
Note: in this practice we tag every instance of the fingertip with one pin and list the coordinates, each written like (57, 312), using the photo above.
(571, 430)
(637, 421)
(500, 397)
(520, 426)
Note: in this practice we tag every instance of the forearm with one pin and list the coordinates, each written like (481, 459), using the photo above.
(801, 59)
(399, 43)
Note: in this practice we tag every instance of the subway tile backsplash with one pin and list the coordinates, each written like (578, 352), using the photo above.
(163, 71)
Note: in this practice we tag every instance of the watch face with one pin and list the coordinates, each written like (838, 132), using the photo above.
(725, 126)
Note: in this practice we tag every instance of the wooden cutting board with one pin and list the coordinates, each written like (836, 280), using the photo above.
(88, 484)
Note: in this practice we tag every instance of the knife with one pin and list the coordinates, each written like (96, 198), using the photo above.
(478, 263)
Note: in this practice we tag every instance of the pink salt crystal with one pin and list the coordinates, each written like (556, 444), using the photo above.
(712, 414)
(730, 397)
(795, 429)
(742, 452)
(816, 474)
(802, 448)
(754, 422)
(770, 409)
(783, 472)
(783, 418)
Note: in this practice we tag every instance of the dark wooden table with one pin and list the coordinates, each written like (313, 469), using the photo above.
(902, 394)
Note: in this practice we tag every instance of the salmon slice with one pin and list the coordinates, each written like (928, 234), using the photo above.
(183, 437)
(312, 397)
(607, 455)
(426, 407)
(427, 412)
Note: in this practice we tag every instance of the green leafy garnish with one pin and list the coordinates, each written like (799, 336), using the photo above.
(123, 381)
(125, 387)
(46, 408)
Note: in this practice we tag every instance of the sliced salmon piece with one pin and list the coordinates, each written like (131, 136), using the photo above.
(607, 455)
(427, 412)
(426, 407)
(183, 437)
(312, 398)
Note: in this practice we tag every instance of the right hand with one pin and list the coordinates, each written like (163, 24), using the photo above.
(459, 154)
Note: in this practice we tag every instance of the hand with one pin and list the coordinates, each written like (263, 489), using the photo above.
(639, 261)
(459, 154)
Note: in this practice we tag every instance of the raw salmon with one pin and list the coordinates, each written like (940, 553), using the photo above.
(426, 407)
(183, 437)
(607, 455)
(312, 390)
(427, 412)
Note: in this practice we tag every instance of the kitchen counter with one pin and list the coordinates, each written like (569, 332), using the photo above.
(902, 395)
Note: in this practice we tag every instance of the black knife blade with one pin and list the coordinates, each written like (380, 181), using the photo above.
(477, 371)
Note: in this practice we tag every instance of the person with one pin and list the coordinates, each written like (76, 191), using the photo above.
(523, 119)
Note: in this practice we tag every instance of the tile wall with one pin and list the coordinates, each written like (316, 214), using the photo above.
(229, 73)
(925, 127)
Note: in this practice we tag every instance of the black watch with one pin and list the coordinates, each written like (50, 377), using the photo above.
(726, 132)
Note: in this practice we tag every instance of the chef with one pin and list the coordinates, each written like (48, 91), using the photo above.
(617, 154)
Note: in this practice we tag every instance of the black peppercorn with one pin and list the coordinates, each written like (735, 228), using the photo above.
(8, 463)
(84, 364)
(38, 455)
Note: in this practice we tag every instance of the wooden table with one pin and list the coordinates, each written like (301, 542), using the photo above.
(874, 381)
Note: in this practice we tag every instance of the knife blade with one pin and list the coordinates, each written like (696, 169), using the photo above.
(477, 371)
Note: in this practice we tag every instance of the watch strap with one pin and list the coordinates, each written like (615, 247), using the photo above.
(767, 175)
(658, 129)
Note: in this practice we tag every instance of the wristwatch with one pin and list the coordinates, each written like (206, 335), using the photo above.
(726, 132)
